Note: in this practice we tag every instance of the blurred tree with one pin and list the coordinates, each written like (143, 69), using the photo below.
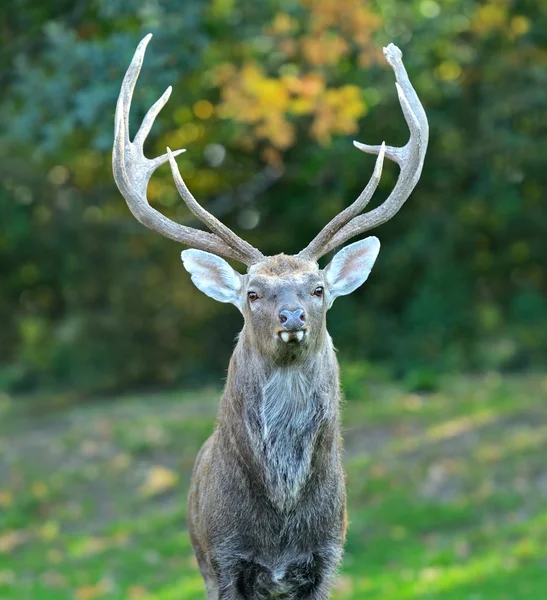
(90, 298)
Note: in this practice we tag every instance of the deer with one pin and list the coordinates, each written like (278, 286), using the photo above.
(267, 502)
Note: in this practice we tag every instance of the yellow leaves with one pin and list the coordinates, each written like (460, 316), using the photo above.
(6, 498)
(158, 480)
(311, 85)
(223, 73)
(347, 100)
(338, 113)
(353, 22)
(324, 50)
(283, 24)
(448, 70)
(272, 95)
(88, 592)
(267, 103)
(277, 130)
(254, 98)
(494, 16)
(352, 17)
(203, 109)
(302, 106)
(329, 31)
(490, 17)
(519, 25)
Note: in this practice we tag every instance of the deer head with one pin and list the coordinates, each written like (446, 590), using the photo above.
(284, 299)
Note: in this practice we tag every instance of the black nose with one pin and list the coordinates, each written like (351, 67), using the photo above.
(292, 320)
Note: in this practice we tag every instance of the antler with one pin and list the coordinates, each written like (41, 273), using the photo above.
(410, 159)
(132, 172)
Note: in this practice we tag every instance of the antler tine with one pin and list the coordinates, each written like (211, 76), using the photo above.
(132, 172)
(314, 248)
(410, 158)
(224, 232)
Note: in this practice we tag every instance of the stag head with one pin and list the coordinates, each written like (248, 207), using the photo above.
(284, 299)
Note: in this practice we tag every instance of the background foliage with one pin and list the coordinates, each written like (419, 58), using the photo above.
(266, 97)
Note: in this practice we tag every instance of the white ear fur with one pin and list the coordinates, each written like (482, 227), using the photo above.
(213, 276)
(350, 268)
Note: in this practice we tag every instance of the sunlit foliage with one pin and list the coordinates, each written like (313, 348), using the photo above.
(267, 98)
(303, 52)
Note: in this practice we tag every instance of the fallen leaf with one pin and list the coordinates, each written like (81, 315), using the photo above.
(11, 540)
(136, 591)
(159, 480)
(87, 592)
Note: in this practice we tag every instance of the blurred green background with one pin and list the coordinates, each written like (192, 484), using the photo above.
(106, 346)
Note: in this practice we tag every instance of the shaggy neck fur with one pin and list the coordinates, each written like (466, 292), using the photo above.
(282, 412)
(290, 416)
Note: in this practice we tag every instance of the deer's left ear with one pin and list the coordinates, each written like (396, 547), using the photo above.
(350, 267)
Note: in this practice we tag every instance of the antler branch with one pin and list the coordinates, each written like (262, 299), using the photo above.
(132, 172)
(410, 159)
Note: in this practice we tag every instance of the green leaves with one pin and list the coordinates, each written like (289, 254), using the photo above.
(91, 299)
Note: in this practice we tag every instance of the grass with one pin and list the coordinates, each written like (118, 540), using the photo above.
(447, 493)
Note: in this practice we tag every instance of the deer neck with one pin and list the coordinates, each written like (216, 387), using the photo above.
(285, 418)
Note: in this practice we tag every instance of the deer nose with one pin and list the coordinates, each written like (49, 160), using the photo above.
(292, 320)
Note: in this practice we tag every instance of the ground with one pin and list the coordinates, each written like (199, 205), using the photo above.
(447, 493)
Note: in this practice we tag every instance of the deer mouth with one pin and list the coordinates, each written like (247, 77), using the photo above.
(292, 336)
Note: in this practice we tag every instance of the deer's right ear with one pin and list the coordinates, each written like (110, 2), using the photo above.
(213, 276)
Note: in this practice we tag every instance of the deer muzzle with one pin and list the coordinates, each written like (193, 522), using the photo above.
(293, 322)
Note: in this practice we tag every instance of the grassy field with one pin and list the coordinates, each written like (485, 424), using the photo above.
(447, 493)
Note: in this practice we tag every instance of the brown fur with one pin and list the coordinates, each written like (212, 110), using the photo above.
(252, 540)
(283, 265)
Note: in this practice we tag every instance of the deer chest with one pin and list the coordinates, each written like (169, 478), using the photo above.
(290, 414)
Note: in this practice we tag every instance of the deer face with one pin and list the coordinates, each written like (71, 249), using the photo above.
(284, 299)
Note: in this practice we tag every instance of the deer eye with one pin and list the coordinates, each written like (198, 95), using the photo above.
(252, 296)
(318, 291)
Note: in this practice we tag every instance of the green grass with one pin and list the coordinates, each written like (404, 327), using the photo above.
(447, 493)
